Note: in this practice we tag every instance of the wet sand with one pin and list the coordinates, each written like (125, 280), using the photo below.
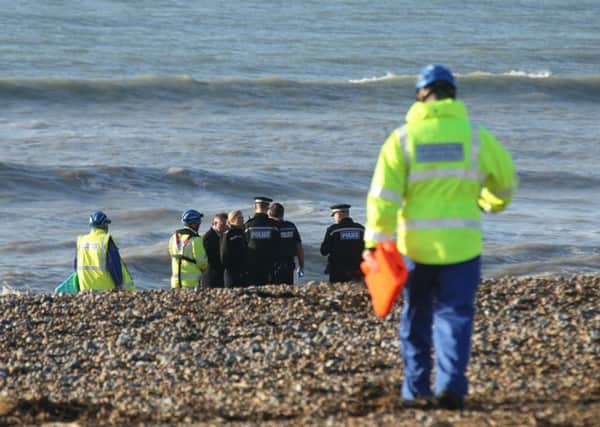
(284, 355)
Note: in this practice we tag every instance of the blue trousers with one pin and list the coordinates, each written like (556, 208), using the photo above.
(439, 303)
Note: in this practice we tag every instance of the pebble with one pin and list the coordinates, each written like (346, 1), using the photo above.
(290, 355)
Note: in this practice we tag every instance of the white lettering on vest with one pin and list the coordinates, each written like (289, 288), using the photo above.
(349, 235)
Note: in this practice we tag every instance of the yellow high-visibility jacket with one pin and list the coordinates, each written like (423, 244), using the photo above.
(188, 258)
(92, 268)
(433, 178)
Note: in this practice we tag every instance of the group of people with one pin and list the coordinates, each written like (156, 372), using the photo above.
(266, 249)
(433, 178)
(234, 253)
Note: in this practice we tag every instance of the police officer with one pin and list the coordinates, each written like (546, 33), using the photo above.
(432, 179)
(290, 246)
(188, 258)
(262, 236)
(343, 242)
(98, 263)
(213, 278)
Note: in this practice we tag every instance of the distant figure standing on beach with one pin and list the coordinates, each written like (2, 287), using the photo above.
(233, 250)
(188, 258)
(213, 278)
(98, 263)
(262, 235)
(343, 244)
(290, 247)
(433, 178)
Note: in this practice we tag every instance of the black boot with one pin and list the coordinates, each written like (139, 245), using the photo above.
(450, 401)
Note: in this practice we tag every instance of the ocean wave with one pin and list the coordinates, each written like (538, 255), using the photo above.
(76, 183)
(250, 91)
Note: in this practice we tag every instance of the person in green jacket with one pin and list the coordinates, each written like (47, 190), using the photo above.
(433, 178)
(188, 258)
(98, 264)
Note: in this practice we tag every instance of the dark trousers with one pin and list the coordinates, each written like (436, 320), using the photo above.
(342, 274)
(283, 273)
(442, 297)
(259, 278)
(213, 278)
(234, 279)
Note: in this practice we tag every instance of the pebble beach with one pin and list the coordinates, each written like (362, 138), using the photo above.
(290, 355)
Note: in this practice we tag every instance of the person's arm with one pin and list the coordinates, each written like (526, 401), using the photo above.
(200, 254)
(501, 180)
(299, 248)
(386, 193)
(326, 245)
(300, 254)
(211, 247)
(113, 263)
(223, 249)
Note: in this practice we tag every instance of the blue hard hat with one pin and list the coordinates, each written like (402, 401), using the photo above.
(191, 217)
(98, 219)
(434, 73)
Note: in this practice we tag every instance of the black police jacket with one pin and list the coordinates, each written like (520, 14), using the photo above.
(262, 236)
(233, 249)
(343, 243)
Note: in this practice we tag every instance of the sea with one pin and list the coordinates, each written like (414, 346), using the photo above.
(143, 109)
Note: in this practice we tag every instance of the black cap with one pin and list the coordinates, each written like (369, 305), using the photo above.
(261, 199)
(343, 207)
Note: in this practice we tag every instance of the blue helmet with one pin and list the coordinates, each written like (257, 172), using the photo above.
(191, 217)
(98, 219)
(434, 73)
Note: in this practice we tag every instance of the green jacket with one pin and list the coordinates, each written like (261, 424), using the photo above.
(433, 178)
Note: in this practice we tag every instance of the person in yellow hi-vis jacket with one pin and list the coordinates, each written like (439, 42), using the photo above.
(98, 263)
(188, 258)
(433, 178)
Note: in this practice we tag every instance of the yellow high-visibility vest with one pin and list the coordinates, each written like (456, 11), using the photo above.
(92, 270)
(188, 258)
(432, 179)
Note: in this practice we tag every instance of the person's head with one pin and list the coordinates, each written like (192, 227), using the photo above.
(98, 219)
(339, 212)
(261, 204)
(192, 218)
(235, 218)
(219, 223)
(434, 83)
(276, 211)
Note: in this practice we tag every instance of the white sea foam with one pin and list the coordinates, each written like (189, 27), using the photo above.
(387, 76)
(8, 290)
(543, 74)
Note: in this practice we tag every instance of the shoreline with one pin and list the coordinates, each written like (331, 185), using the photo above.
(290, 355)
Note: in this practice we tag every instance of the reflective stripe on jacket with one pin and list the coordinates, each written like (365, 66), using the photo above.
(432, 178)
(188, 259)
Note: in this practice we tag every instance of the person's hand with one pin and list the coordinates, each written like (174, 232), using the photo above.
(369, 257)
(300, 272)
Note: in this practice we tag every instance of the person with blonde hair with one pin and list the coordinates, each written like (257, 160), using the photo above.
(233, 250)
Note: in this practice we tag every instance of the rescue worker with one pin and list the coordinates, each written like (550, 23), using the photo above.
(98, 263)
(233, 250)
(290, 247)
(213, 278)
(343, 243)
(188, 259)
(262, 236)
(433, 178)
